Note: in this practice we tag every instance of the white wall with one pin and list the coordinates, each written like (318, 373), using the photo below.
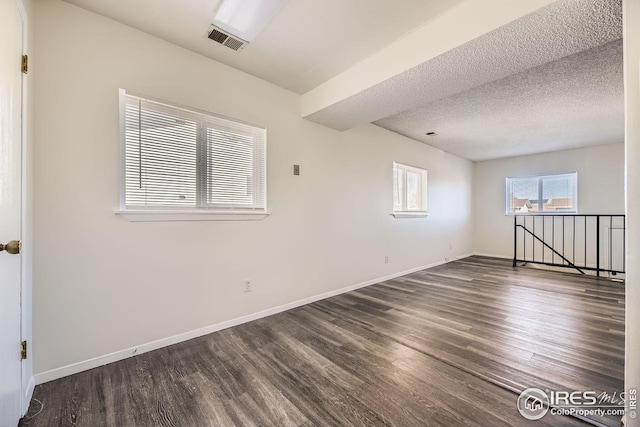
(632, 170)
(102, 284)
(600, 189)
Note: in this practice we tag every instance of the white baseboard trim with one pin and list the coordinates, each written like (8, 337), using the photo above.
(95, 362)
(28, 394)
(494, 255)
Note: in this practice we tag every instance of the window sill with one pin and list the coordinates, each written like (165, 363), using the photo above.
(191, 215)
(410, 214)
(549, 213)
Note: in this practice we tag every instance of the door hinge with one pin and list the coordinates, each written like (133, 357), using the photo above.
(23, 350)
(25, 64)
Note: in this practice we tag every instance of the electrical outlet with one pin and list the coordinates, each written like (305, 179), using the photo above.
(247, 285)
(450, 246)
(386, 259)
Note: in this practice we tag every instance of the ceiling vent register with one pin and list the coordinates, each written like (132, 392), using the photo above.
(220, 36)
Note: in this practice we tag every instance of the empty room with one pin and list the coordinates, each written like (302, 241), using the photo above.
(319, 213)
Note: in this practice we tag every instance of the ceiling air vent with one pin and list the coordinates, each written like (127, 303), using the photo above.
(225, 39)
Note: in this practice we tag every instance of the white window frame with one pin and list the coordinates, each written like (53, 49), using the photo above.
(540, 179)
(201, 212)
(403, 211)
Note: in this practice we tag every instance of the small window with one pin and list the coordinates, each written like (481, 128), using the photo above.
(181, 159)
(543, 194)
(409, 190)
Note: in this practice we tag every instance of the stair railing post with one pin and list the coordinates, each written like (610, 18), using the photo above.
(515, 238)
(598, 245)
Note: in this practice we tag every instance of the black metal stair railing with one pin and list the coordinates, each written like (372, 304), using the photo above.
(585, 242)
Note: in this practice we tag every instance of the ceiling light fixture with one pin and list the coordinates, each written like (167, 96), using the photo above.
(245, 19)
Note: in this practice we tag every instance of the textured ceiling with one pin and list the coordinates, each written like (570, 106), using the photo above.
(563, 28)
(547, 81)
(574, 102)
(307, 43)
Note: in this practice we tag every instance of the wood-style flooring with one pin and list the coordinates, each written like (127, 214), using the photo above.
(449, 346)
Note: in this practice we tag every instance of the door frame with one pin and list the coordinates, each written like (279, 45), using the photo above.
(27, 379)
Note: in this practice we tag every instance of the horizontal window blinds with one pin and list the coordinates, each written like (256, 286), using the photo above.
(180, 159)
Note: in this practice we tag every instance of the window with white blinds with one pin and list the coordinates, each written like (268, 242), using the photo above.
(176, 158)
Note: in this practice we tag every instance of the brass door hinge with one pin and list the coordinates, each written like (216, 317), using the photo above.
(25, 64)
(23, 350)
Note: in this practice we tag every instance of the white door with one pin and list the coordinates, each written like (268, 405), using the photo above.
(10, 210)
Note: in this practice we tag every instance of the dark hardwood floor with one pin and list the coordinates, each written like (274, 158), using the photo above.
(449, 346)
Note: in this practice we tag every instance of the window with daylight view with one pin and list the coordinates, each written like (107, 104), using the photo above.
(180, 159)
(542, 194)
(409, 190)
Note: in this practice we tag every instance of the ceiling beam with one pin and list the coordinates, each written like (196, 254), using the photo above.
(449, 30)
